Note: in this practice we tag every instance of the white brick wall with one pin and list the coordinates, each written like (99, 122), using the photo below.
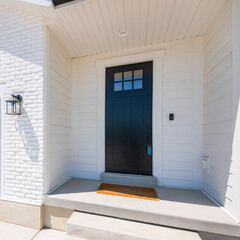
(21, 67)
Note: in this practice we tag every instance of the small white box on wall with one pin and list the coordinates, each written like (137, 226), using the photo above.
(206, 162)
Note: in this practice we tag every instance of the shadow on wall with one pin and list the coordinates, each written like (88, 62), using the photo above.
(222, 178)
(21, 40)
(21, 57)
(24, 126)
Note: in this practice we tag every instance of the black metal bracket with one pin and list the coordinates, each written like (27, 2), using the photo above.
(19, 97)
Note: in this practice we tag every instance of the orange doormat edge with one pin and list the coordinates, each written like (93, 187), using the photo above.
(128, 191)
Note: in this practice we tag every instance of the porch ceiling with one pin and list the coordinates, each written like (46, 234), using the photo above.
(91, 27)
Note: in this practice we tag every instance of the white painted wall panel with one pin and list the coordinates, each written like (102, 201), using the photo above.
(218, 100)
(59, 148)
(179, 159)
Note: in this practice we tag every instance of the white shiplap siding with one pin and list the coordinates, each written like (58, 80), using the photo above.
(179, 160)
(178, 89)
(84, 121)
(217, 126)
(59, 114)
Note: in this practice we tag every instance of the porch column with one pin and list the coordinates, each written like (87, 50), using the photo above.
(235, 167)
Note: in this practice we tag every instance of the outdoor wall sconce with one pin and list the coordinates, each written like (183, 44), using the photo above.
(14, 105)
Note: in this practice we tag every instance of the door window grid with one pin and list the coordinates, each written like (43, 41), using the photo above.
(128, 80)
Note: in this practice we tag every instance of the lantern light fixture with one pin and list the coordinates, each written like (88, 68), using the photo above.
(14, 105)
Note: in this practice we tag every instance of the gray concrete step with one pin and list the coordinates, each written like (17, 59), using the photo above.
(52, 234)
(129, 179)
(178, 208)
(91, 227)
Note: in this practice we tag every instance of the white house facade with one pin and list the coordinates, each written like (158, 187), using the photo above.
(57, 57)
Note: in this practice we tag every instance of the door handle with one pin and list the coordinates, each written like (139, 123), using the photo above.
(149, 147)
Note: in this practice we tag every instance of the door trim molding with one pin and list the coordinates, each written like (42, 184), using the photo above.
(157, 103)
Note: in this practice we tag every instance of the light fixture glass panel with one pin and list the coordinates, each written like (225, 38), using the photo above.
(128, 75)
(18, 107)
(118, 86)
(117, 77)
(128, 85)
(138, 74)
(138, 84)
(10, 107)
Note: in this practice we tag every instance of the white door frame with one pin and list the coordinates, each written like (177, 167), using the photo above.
(2, 117)
(157, 131)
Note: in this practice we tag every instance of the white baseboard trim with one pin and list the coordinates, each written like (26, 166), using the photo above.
(53, 189)
(21, 201)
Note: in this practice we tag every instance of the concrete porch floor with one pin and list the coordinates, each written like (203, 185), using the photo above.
(181, 208)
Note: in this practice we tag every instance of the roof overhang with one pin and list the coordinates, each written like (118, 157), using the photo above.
(59, 2)
(64, 3)
(46, 3)
(90, 27)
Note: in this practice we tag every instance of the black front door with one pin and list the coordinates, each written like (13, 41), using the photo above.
(129, 119)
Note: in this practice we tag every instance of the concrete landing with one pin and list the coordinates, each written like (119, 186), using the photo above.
(129, 179)
(91, 227)
(178, 208)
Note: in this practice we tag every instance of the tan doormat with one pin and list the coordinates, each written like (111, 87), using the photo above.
(128, 191)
